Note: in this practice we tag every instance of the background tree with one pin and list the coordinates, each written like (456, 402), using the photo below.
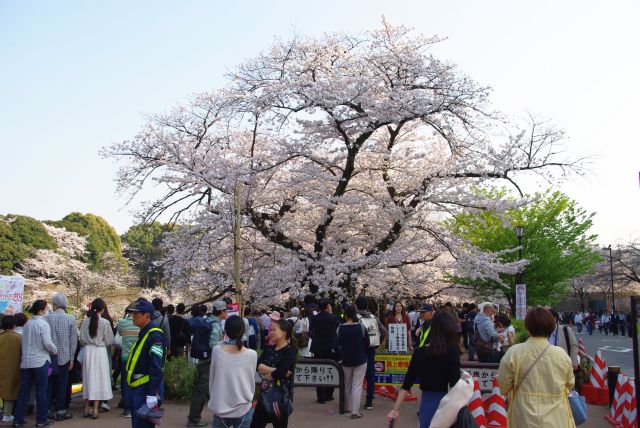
(557, 245)
(19, 237)
(347, 152)
(143, 248)
(626, 262)
(101, 236)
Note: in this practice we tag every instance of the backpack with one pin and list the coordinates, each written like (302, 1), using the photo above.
(371, 324)
(200, 348)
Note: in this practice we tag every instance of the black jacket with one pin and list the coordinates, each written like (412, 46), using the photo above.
(322, 330)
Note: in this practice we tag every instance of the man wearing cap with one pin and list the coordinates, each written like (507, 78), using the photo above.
(145, 363)
(200, 395)
(422, 332)
(64, 334)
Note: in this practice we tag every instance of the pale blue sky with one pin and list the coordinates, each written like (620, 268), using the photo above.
(79, 75)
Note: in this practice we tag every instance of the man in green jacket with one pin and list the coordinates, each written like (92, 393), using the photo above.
(126, 337)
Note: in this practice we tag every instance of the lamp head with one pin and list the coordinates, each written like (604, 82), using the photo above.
(519, 231)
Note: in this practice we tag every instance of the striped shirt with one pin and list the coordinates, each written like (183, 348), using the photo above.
(64, 334)
(36, 343)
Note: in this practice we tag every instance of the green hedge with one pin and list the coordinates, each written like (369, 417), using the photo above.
(521, 333)
(179, 379)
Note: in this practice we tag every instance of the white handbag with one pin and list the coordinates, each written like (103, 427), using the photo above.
(457, 398)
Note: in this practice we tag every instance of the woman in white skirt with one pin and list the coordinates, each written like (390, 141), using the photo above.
(96, 335)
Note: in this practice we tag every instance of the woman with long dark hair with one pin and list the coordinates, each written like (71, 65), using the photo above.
(436, 366)
(231, 378)
(277, 364)
(96, 334)
(399, 316)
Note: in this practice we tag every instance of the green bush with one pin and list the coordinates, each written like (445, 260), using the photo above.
(521, 333)
(179, 379)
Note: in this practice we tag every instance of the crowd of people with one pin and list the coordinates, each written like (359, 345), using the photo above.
(41, 357)
(603, 321)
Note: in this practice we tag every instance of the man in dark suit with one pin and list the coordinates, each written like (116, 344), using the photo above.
(322, 330)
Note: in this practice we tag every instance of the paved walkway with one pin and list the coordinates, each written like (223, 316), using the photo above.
(307, 414)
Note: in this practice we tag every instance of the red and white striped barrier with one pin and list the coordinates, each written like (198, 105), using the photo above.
(629, 414)
(582, 351)
(619, 401)
(496, 410)
(598, 372)
(476, 406)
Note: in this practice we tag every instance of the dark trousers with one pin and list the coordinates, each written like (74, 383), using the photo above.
(125, 389)
(622, 329)
(324, 393)
(137, 398)
(260, 419)
(200, 396)
(28, 377)
(370, 374)
(176, 351)
(58, 388)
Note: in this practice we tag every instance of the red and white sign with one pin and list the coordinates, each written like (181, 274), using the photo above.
(233, 309)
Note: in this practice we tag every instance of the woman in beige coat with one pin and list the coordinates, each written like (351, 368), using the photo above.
(537, 377)
(10, 344)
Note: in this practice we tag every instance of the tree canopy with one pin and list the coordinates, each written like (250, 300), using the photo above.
(101, 236)
(557, 245)
(346, 152)
(144, 250)
(19, 236)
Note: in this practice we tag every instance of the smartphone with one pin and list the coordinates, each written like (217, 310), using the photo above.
(392, 422)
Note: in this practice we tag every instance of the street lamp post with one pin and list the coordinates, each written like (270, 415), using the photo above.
(613, 296)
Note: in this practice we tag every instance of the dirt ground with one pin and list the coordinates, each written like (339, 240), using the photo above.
(307, 414)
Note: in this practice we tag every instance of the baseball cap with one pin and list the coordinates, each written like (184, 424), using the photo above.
(140, 306)
(426, 308)
(220, 305)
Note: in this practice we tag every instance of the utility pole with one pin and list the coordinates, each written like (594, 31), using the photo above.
(236, 250)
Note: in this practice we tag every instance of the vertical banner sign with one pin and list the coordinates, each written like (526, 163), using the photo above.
(11, 294)
(398, 337)
(521, 301)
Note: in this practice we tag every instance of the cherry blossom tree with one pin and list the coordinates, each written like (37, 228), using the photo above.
(346, 153)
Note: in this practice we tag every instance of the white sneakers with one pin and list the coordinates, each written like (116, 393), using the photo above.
(7, 418)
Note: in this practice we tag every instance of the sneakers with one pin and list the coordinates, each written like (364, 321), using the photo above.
(368, 405)
(63, 416)
(105, 406)
(7, 418)
(44, 424)
(198, 424)
(126, 414)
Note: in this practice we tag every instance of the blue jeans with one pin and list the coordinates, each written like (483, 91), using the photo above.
(428, 406)
(370, 373)
(241, 422)
(137, 398)
(59, 382)
(39, 377)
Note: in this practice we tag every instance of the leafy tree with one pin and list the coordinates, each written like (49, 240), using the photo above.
(19, 237)
(556, 244)
(143, 249)
(101, 236)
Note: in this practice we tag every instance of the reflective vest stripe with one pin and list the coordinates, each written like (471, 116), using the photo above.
(423, 336)
(133, 359)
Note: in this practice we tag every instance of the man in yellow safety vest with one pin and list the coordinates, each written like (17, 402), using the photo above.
(145, 363)
(422, 332)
